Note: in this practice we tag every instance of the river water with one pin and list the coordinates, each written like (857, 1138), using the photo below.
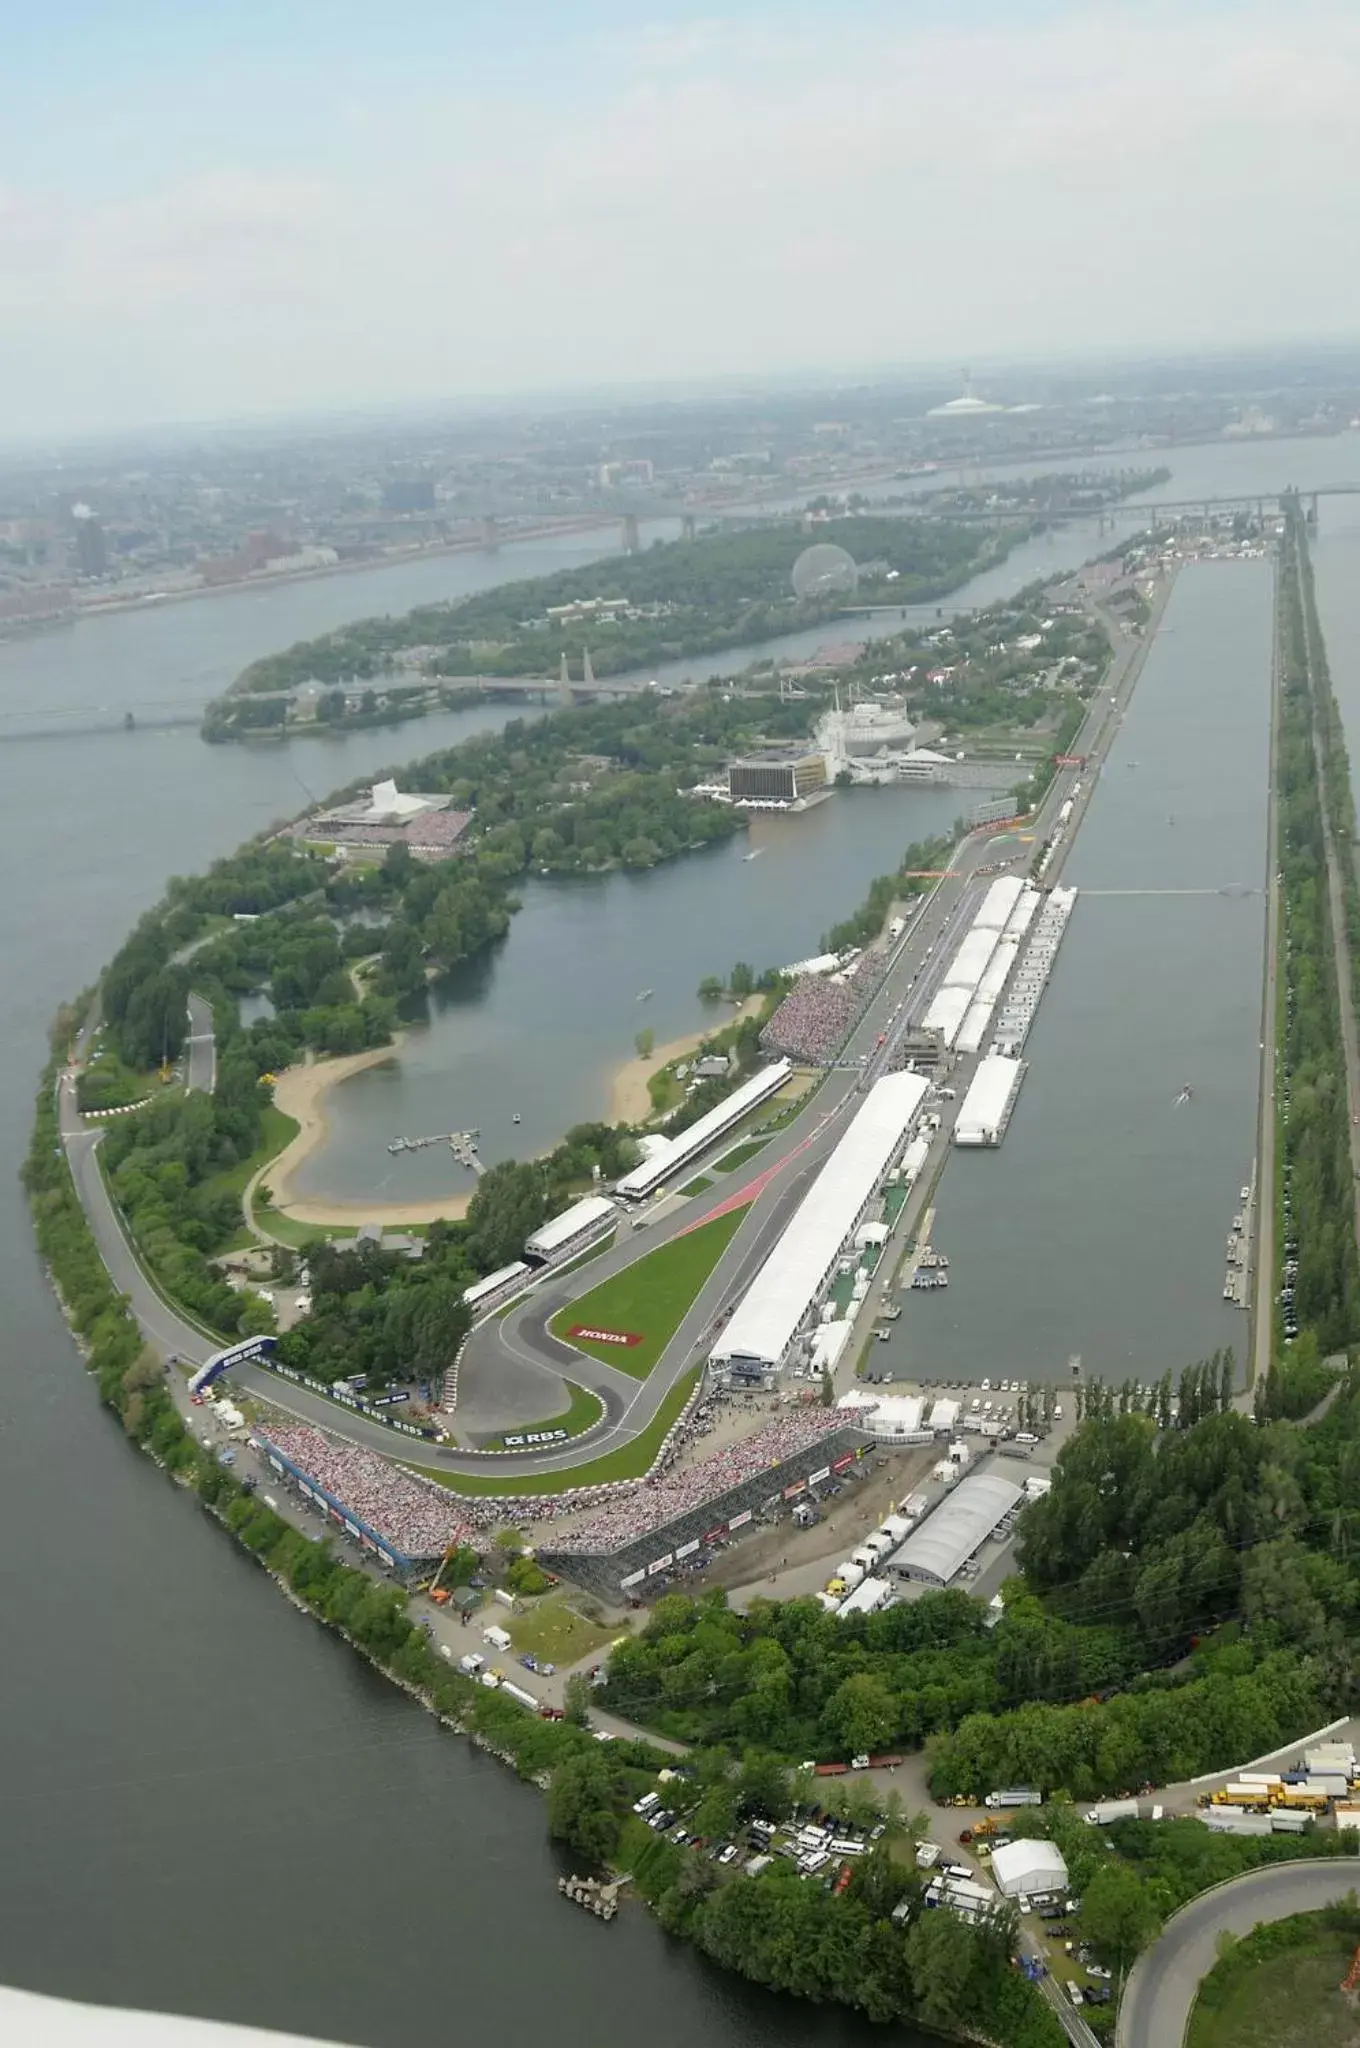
(207, 1803)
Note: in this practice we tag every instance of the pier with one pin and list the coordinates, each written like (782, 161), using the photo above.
(1241, 1250)
(462, 1144)
(600, 1899)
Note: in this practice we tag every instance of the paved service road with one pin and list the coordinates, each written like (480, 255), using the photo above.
(1155, 2009)
(200, 1071)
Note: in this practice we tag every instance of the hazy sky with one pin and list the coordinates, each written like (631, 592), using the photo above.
(284, 204)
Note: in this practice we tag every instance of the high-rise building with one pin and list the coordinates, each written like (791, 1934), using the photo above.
(92, 552)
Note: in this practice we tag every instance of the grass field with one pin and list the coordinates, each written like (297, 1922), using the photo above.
(583, 1410)
(628, 1463)
(1287, 2000)
(700, 1186)
(554, 1630)
(741, 1154)
(650, 1298)
(276, 1131)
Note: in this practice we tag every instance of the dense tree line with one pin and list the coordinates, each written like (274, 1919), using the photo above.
(702, 595)
(1216, 1555)
(864, 925)
(1317, 1203)
(793, 1936)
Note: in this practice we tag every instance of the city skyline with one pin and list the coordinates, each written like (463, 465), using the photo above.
(204, 219)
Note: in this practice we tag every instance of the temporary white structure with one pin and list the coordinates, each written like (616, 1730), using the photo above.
(692, 1142)
(798, 1268)
(938, 1550)
(1029, 1866)
(582, 1220)
(984, 1111)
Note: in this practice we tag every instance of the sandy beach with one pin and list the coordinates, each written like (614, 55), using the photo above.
(300, 1092)
(629, 1102)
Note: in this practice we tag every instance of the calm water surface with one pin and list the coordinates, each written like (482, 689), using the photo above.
(1100, 1224)
(207, 1804)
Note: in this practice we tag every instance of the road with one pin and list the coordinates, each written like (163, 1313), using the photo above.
(200, 1068)
(1155, 2009)
(512, 1361)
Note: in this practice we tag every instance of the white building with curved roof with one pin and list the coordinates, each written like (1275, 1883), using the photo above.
(937, 1552)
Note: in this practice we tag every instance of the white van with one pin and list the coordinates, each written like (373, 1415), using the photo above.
(497, 1637)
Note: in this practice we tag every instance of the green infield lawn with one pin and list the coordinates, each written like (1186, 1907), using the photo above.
(1286, 1999)
(583, 1412)
(650, 1298)
(630, 1462)
(741, 1154)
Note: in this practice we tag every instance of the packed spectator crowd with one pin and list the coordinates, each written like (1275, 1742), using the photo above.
(416, 1517)
(664, 1497)
(820, 1011)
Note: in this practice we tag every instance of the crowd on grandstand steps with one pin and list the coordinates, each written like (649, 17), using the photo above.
(660, 1499)
(415, 1516)
(818, 1014)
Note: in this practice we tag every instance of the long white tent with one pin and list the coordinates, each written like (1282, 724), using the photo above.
(794, 1274)
(562, 1233)
(986, 1108)
(998, 905)
(691, 1143)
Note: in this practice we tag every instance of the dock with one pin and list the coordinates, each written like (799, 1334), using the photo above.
(600, 1899)
(462, 1144)
(1241, 1249)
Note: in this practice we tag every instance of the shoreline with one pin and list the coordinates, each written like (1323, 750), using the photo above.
(629, 1101)
(301, 1093)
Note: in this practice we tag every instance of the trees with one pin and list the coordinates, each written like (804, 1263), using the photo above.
(508, 1206)
(861, 1715)
(1118, 1914)
(643, 1042)
(585, 1802)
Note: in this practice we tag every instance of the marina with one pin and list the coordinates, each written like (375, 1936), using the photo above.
(462, 1144)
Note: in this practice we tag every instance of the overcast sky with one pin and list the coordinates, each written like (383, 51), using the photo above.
(266, 207)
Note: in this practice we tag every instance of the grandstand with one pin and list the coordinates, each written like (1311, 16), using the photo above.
(635, 1546)
(405, 1521)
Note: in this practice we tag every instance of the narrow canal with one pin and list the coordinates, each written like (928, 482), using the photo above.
(1099, 1227)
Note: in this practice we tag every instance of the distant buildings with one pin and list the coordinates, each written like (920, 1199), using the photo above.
(776, 778)
(92, 549)
(389, 817)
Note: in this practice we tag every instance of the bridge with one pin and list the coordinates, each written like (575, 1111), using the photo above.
(75, 721)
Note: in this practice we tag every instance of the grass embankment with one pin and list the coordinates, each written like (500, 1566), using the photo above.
(1279, 1987)
(741, 1154)
(700, 1186)
(553, 1629)
(629, 1462)
(582, 1412)
(649, 1299)
(276, 1131)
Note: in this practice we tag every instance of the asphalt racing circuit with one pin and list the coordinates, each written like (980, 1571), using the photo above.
(513, 1368)
(1156, 2006)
